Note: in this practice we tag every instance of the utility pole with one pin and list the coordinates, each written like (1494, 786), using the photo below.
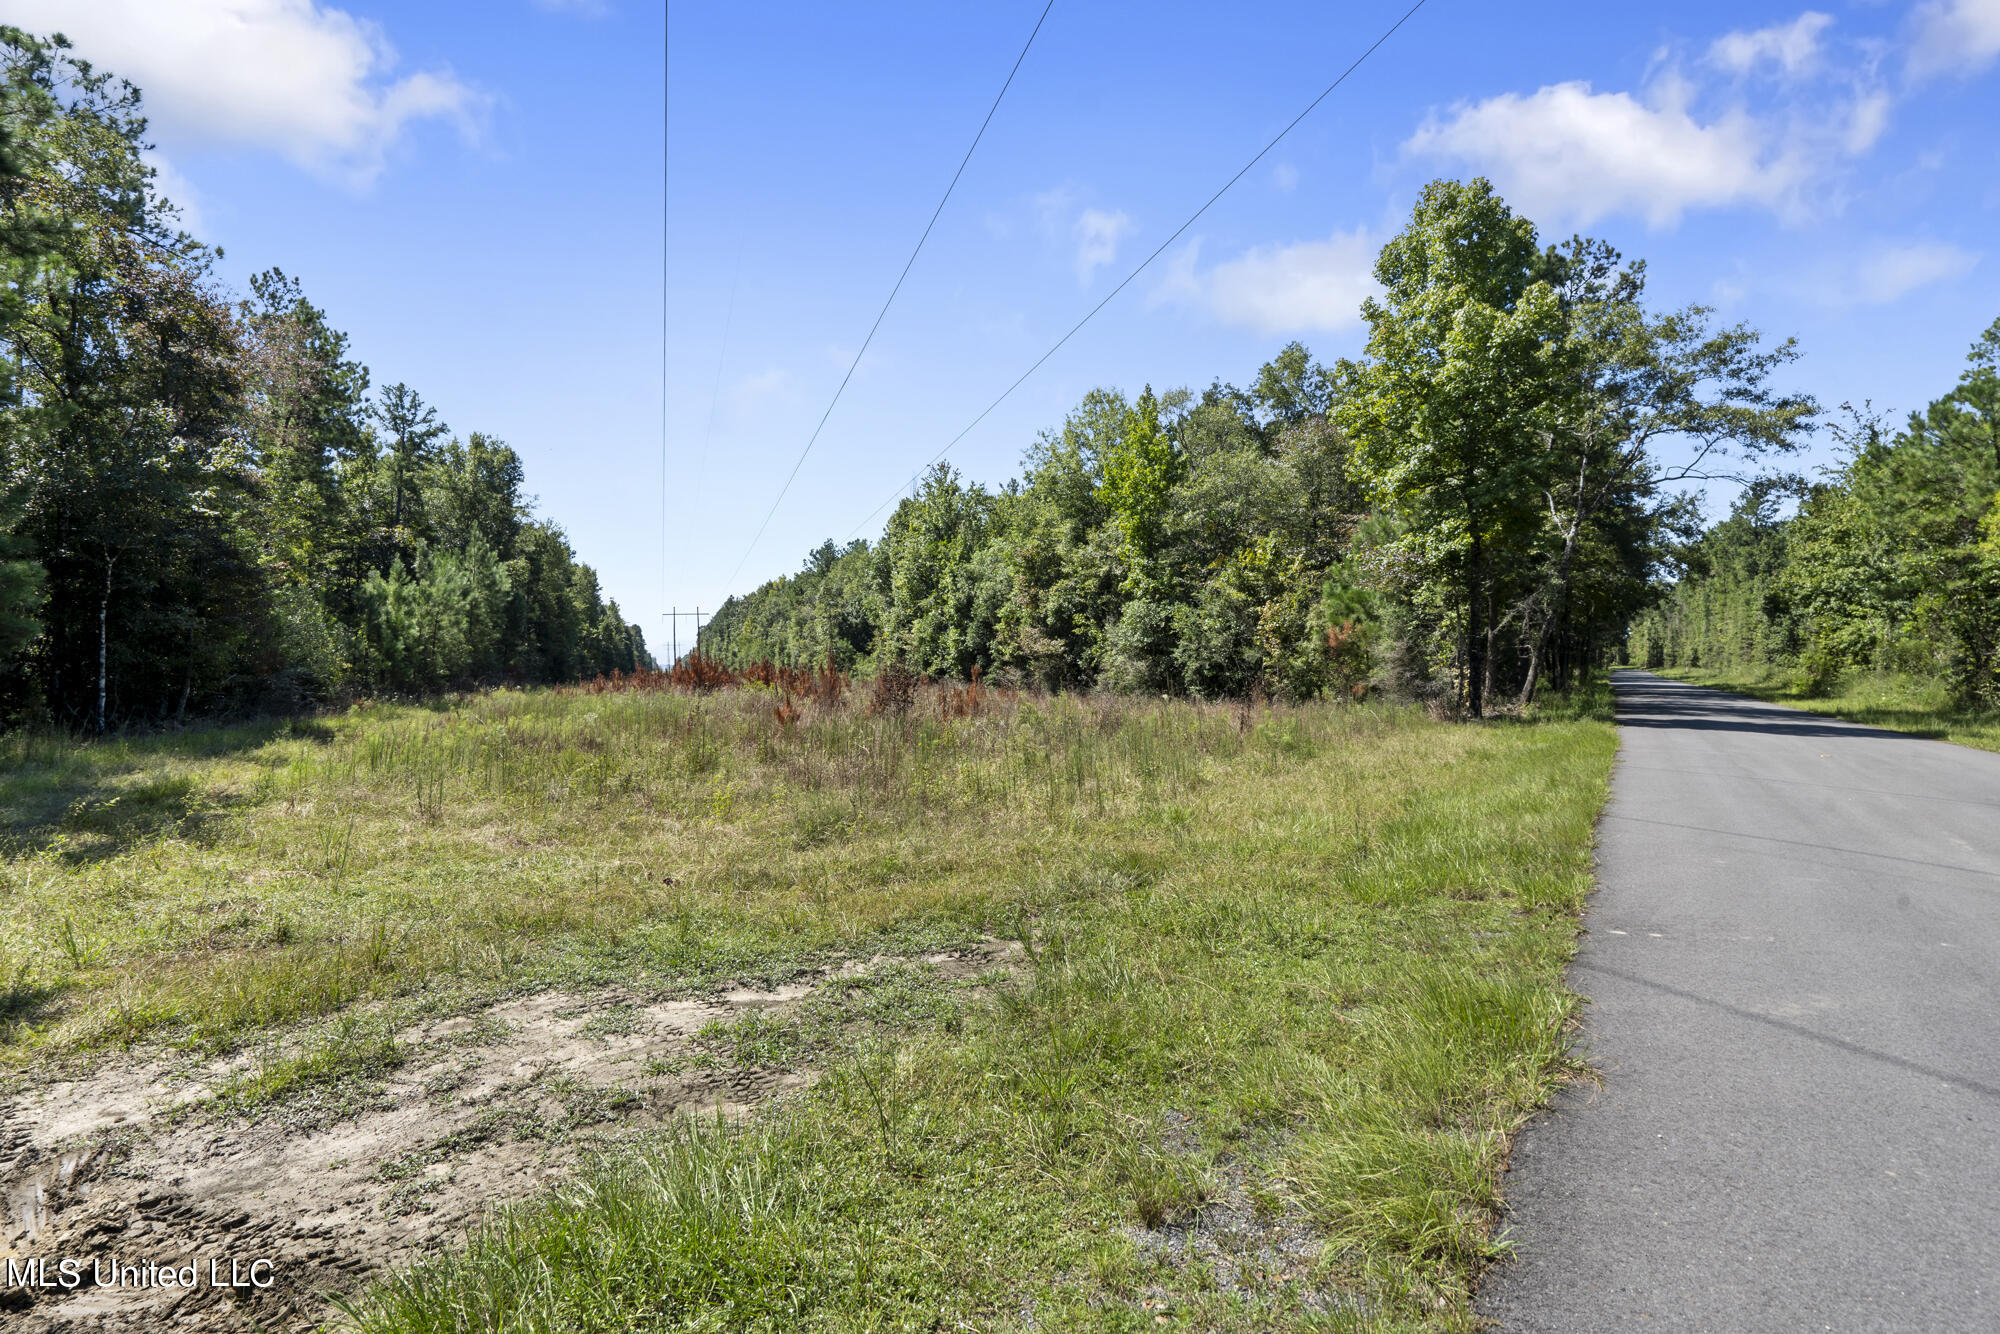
(674, 617)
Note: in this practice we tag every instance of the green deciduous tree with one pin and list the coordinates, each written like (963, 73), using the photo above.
(1656, 400)
(1139, 473)
(1464, 373)
(942, 599)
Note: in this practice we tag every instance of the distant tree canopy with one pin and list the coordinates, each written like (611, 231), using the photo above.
(201, 506)
(1477, 505)
(205, 505)
(1892, 562)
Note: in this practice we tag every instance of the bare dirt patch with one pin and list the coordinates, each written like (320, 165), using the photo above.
(145, 1159)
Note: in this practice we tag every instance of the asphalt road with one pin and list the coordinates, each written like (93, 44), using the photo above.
(1793, 966)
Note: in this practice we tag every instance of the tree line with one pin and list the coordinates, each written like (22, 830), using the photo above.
(1889, 562)
(203, 504)
(1475, 507)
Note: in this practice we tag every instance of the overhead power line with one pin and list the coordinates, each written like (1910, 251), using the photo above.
(1143, 264)
(667, 119)
(908, 264)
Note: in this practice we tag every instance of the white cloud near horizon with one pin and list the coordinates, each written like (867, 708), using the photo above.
(300, 78)
(1793, 47)
(1894, 271)
(1714, 137)
(1954, 37)
(1569, 150)
(1304, 287)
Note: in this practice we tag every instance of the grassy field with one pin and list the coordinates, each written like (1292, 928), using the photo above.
(1903, 704)
(1286, 980)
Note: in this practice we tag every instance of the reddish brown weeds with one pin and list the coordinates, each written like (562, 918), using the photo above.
(893, 690)
(824, 684)
(694, 672)
(698, 672)
(961, 701)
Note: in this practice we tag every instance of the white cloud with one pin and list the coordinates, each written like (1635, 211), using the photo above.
(1707, 136)
(1285, 176)
(1097, 234)
(1306, 287)
(1867, 118)
(1894, 271)
(1954, 36)
(1093, 232)
(1569, 151)
(1793, 47)
(307, 80)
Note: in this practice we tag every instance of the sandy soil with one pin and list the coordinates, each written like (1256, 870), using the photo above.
(124, 1164)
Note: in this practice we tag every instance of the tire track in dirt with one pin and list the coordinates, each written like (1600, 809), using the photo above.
(126, 1164)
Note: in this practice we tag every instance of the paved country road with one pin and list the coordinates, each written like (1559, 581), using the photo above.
(1793, 965)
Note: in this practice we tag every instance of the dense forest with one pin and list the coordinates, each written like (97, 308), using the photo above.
(203, 504)
(1475, 507)
(1890, 562)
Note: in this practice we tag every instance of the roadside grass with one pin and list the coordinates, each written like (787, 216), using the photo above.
(1880, 699)
(1297, 969)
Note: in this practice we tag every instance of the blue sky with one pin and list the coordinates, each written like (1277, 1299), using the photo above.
(473, 191)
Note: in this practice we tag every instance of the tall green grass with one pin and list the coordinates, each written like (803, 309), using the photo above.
(1302, 965)
(1325, 977)
(206, 886)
